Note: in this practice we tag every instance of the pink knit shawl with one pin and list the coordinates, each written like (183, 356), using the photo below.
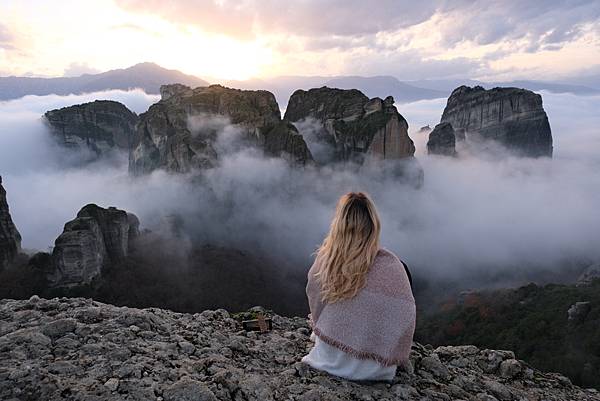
(378, 323)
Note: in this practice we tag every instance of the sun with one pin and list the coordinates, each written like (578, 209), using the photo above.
(216, 56)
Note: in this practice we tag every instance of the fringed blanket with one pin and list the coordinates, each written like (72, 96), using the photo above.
(378, 323)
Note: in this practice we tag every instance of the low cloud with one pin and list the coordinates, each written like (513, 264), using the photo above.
(472, 215)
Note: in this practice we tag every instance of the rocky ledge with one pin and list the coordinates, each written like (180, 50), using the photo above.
(79, 349)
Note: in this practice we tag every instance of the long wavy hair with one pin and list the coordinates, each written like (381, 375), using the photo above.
(349, 249)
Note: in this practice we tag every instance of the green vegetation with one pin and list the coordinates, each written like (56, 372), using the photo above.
(532, 321)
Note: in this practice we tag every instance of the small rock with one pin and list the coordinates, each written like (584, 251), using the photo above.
(434, 365)
(188, 390)
(510, 368)
(489, 360)
(302, 369)
(186, 347)
(34, 299)
(59, 328)
(62, 367)
(112, 384)
(499, 390)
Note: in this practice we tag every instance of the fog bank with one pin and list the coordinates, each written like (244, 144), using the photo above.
(471, 215)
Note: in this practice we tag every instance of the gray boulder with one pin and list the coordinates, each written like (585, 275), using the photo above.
(10, 239)
(180, 133)
(94, 240)
(442, 140)
(100, 126)
(579, 311)
(512, 117)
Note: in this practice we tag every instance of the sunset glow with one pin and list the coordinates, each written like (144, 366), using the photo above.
(230, 40)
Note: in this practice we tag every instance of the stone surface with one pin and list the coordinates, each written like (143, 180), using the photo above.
(96, 238)
(579, 311)
(101, 126)
(510, 368)
(511, 117)
(355, 126)
(10, 239)
(125, 353)
(181, 132)
(590, 274)
(442, 140)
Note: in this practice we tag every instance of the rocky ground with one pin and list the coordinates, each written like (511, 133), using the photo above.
(79, 349)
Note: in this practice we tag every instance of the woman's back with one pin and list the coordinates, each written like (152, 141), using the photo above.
(377, 324)
(360, 298)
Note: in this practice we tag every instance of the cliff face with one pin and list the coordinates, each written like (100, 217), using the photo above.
(514, 118)
(101, 126)
(10, 239)
(442, 140)
(165, 138)
(81, 349)
(96, 238)
(354, 125)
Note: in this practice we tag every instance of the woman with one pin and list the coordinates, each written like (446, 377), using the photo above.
(362, 307)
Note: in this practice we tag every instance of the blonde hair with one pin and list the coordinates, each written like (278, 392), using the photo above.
(349, 248)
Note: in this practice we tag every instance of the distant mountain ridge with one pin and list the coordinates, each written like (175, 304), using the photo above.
(402, 91)
(150, 76)
(146, 76)
(376, 86)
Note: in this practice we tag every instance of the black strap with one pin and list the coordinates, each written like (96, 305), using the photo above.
(408, 274)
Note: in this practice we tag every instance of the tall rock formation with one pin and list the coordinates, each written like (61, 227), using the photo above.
(180, 132)
(100, 126)
(95, 239)
(514, 118)
(354, 125)
(10, 239)
(442, 140)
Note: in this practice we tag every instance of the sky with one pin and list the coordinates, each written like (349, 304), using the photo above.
(240, 39)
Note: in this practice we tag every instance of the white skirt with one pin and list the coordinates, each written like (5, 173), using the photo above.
(339, 363)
